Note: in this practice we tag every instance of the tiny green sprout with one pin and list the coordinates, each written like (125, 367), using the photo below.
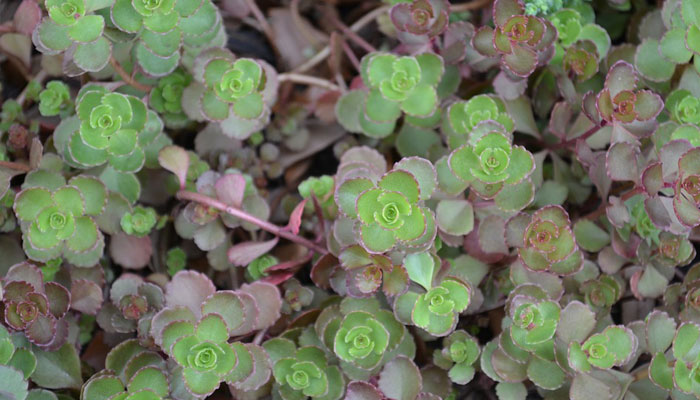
(66, 12)
(534, 321)
(256, 139)
(465, 116)
(175, 260)
(140, 222)
(458, 354)
(158, 15)
(256, 269)
(54, 99)
(323, 188)
(166, 97)
(641, 221)
(568, 24)
(50, 268)
(542, 7)
(684, 107)
(437, 310)
(549, 242)
(612, 347)
(602, 292)
(489, 161)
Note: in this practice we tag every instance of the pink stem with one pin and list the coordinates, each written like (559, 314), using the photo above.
(242, 215)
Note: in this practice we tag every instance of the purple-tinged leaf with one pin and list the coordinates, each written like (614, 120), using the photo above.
(400, 379)
(322, 270)
(58, 369)
(669, 156)
(622, 162)
(268, 301)
(295, 217)
(25, 272)
(85, 296)
(360, 390)
(188, 289)
(251, 312)
(230, 189)
(27, 17)
(504, 9)
(130, 252)
(261, 369)
(621, 76)
(176, 160)
(242, 254)
(59, 299)
(652, 179)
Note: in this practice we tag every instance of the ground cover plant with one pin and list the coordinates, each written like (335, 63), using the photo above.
(349, 199)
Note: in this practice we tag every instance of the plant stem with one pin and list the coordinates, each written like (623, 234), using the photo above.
(39, 78)
(267, 29)
(126, 77)
(242, 215)
(259, 336)
(15, 166)
(583, 136)
(359, 24)
(353, 36)
(308, 80)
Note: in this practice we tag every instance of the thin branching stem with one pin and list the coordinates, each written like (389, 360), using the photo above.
(244, 216)
(126, 77)
(15, 166)
(326, 51)
(266, 27)
(350, 34)
(307, 80)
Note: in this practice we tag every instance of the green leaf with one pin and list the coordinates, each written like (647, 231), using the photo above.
(672, 46)
(30, 202)
(13, 383)
(511, 391)
(59, 369)
(590, 236)
(660, 371)
(249, 107)
(455, 217)
(650, 65)
(421, 101)
(420, 268)
(87, 29)
(94, 56)
(125, 16)
(53, 36)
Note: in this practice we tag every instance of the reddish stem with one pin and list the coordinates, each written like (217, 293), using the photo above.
(126, 77)
(240, 214)
(583, 136)
(15, 166)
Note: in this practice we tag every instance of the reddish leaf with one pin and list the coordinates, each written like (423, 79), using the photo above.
(230, 189)
(242, 254)
(27, 17)
(295, 217)
(130, 251)
(86, 296)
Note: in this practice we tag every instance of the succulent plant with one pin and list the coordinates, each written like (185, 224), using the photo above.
(54, 99)
(458, 354)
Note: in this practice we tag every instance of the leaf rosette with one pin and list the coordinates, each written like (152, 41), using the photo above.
(303, 372)
(437, 309)
(60, 222)
(132, 373)
(420, 20)
(166, 98)
(464, 116)
(549, 244)
(458, 354)
(612, 347)
(54, 99)
(366, 273)
(603, 291)
(683, 106)
(133, 302)
(387, 213)
(361, 334)
(489, 162)
(686, 199)
(33, 307)
(139, 222)
(534, 321)
(521, 41)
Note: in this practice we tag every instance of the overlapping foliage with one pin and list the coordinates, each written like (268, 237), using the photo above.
(468, 200)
